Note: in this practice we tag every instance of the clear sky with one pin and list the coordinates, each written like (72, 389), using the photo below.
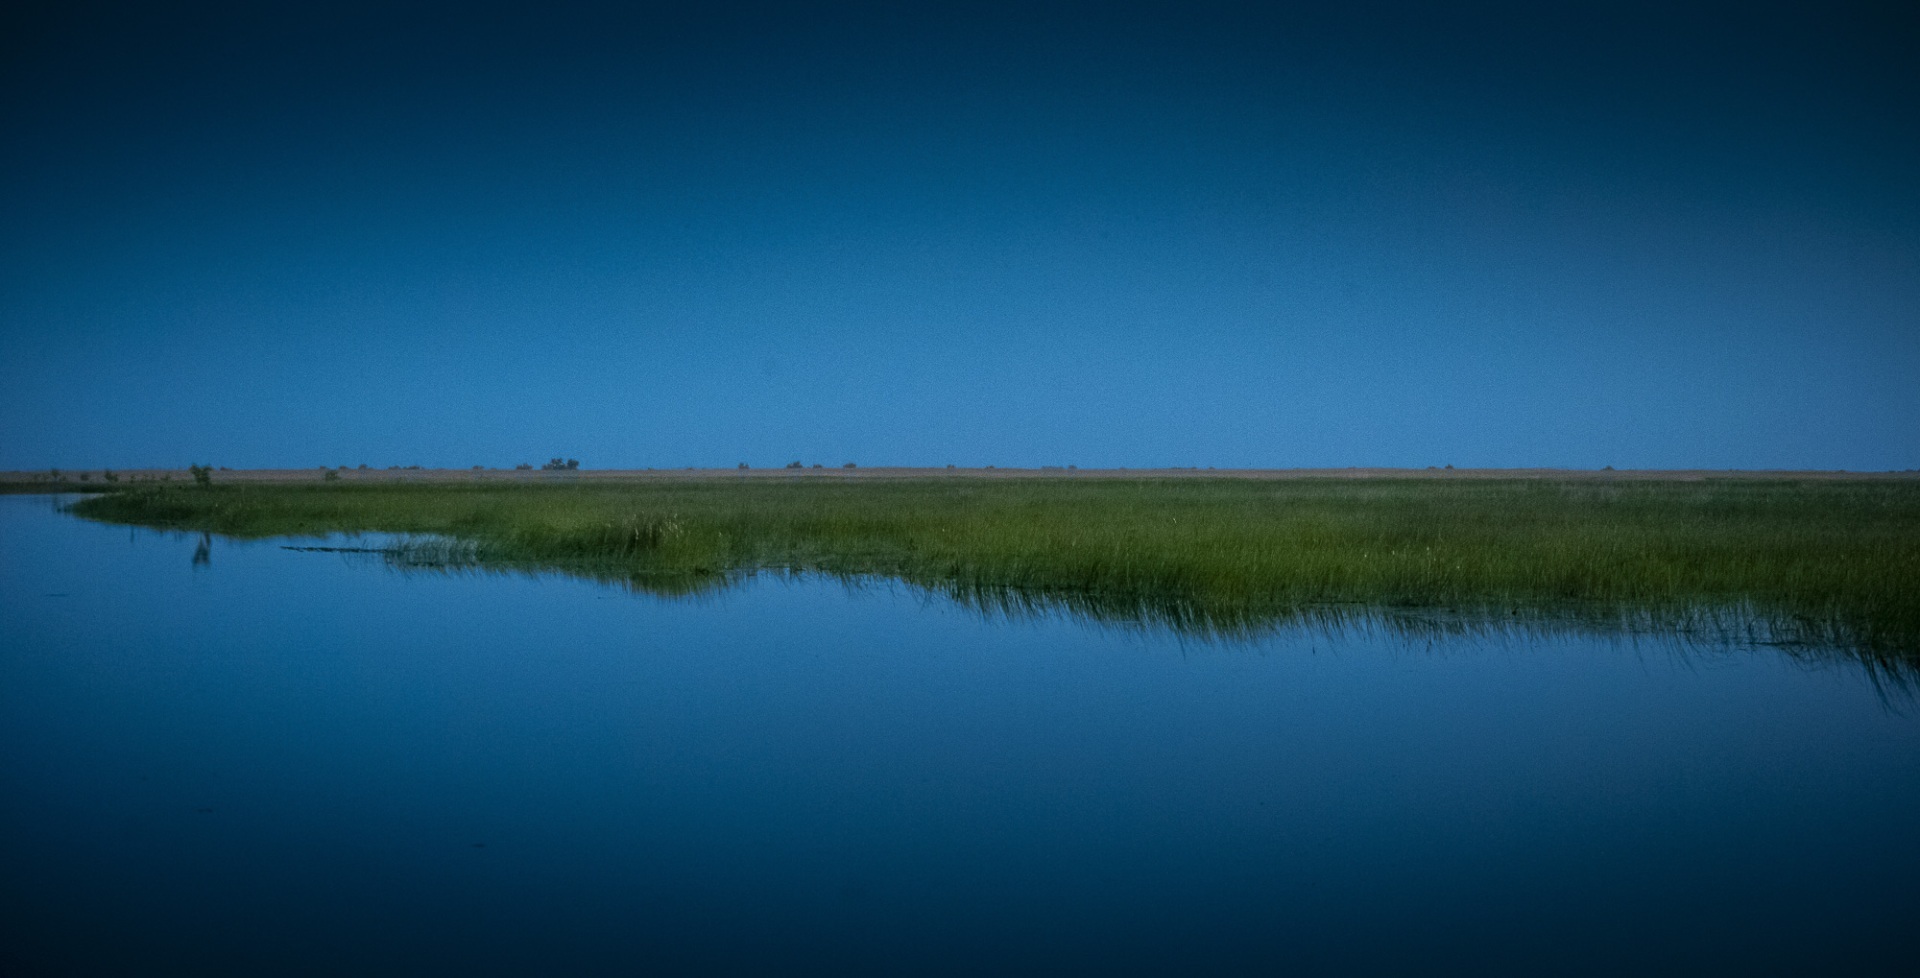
(1640, 235)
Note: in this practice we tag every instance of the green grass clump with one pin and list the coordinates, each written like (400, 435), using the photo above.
(1824, 562)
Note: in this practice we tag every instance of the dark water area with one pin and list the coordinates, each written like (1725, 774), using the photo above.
(233, 758)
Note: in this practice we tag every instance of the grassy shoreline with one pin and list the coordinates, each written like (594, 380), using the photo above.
(1831, 562)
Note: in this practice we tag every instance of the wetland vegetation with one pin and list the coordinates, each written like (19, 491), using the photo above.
(1812, 564)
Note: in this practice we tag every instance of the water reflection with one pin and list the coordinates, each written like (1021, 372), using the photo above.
(1891, 663)
(300, 750)
(1694, 629)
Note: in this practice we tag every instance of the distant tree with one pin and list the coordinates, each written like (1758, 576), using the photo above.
(108, 475)
(524, 467)
(743, 465)
(202, 474)
(330, 476)
(795, 465)
(561, 465)
(849, 465)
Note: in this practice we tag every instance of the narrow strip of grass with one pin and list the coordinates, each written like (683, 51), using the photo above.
(48, 488)
(1834, 562)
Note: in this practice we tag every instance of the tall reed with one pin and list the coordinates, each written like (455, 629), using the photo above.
(1824, 561)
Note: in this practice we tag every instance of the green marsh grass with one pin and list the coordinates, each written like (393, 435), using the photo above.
(1814, 563)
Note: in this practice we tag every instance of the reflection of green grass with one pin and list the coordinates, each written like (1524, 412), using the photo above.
(1832, 561)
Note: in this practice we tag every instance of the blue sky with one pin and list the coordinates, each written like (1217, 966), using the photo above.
(1105, 235)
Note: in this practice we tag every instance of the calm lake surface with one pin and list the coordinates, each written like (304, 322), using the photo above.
(244, 759)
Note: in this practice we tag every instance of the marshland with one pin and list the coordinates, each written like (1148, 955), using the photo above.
(976, 720)
(1819, 564)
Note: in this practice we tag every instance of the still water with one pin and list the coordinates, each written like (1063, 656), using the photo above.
(232, 758)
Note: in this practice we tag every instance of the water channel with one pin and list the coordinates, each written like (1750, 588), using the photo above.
(224, 757)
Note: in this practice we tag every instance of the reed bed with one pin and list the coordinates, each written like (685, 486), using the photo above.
(1819, 563)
